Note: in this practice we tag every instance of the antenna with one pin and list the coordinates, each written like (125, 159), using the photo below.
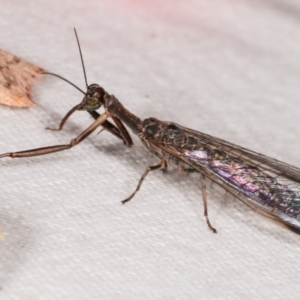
(66, 80)
(81, 58)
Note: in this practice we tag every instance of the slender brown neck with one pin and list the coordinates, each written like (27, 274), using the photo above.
(113, 106)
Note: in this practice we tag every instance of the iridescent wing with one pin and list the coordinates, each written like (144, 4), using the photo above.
(265, 184)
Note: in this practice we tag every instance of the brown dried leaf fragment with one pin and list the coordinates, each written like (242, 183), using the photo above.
(16, 78)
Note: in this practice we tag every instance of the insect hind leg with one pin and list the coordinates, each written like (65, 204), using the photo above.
(204, 198)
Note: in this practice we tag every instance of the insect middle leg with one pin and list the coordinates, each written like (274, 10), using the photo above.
(161, 165)
(204, 198)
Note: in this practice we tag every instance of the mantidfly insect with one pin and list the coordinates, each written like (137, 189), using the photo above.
(267, 185)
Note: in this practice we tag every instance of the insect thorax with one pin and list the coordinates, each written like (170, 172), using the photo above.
(157, 135)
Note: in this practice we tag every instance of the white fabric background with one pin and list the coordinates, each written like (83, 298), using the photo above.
(228, 68)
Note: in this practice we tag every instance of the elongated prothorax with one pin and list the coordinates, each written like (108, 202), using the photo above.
(113, 105)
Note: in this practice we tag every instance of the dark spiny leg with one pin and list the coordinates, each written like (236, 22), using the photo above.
(52, 149)
(110, 127)
(119, 130)
(203, 188)
(123, 131)
(162, 164)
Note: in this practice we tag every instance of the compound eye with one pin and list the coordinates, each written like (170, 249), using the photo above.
(92, 103)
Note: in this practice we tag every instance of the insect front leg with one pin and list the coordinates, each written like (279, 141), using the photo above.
(162, 165)
(57, 148)
(64, 120)
(204, 198)
(119, 131)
